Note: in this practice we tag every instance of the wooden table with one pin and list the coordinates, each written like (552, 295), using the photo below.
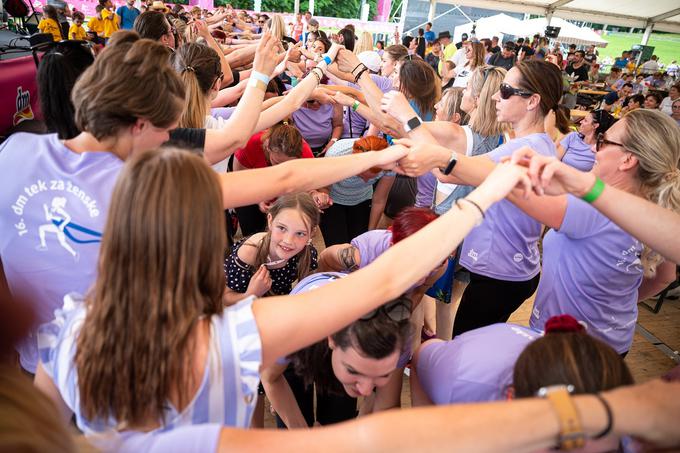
(593, 92)
(578, 114)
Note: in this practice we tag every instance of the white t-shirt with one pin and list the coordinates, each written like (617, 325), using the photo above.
(459, 58)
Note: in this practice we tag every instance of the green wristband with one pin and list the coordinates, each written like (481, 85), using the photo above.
(355, 106)
(595, 192)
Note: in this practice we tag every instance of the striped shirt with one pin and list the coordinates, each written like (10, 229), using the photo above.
(228, 391)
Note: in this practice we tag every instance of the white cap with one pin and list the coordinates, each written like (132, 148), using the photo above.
(371, 59)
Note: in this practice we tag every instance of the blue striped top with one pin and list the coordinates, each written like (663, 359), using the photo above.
(228, 391)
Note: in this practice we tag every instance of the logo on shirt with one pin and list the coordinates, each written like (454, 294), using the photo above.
(630, 258)
(472, 254)
(23, 105)
(518, 257)
(58, 224)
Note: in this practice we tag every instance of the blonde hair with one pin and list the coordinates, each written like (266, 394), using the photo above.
(654, 138)
(450, 102)
(365, 43)
(484, 82)
(277, 26)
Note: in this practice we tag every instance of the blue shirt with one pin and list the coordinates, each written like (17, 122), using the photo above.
(127, 17)
(429, 36)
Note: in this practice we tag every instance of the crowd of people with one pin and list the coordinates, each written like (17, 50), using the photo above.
(224, 208)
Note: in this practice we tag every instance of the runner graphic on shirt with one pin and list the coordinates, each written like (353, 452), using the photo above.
(58, 219)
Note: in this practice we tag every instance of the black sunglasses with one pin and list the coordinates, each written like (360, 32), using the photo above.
(398, 311)
(601, 141)
(506, 91)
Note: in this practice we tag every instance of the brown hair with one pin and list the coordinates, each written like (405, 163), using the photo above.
(108, 97)
(569, 358)
(544, 79)
(305, 205)
(418, 81)
(152, 25)
(282, 138)
(654, 138)
(156, 278)
(78, 15)
(199, 67)
(478, 54)
(396, 52)
(51, 12)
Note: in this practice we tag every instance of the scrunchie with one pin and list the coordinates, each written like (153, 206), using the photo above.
(563, 323)
(189, 68)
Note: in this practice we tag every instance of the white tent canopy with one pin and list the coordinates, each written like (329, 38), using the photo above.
(569, 33)
(662, 15)
(487, 27)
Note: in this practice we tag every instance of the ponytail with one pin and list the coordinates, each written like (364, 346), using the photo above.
(195, 107)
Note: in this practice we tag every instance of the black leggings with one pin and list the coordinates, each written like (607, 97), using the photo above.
(340, 224)
(488, 301)
(329, 408)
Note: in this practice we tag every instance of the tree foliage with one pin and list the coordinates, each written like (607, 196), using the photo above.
(349, 9)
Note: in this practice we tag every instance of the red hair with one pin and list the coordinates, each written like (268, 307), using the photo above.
(410, 220)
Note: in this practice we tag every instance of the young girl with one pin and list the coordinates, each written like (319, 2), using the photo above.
(352, 362)
(49, 23)
(96, 24)
(77, 31)
(268, 263)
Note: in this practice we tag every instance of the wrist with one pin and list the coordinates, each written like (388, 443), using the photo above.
(594, 192)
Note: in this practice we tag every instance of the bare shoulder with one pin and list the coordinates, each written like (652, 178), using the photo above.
(248, 250)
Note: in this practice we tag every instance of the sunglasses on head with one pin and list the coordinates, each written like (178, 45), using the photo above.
(601, 141)
(506, 91)
(398, 311)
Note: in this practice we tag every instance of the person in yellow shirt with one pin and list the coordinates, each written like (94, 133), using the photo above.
(96, 24)
(77, 31)
(111, 20)
(49, 23)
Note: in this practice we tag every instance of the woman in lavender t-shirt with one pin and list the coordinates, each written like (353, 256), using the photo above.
(502, 253)
(576, 149)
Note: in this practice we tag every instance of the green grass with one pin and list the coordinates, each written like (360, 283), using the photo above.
(666, 46)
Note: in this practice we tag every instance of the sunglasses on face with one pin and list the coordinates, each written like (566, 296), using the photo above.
(506, 92)
(601, 141)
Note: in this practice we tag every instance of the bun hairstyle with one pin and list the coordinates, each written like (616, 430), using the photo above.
(370, 143)
(567, 355)
(654, 139)
(283, 138)
(107, 95)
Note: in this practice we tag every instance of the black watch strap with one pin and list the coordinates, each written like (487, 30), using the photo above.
(412, 124)
(451, 165)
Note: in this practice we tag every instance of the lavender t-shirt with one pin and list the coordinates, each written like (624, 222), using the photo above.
(53, 208)
(222, 112)
(505, 245)
(203, 438)
(316, 126)
(475, 366)
(371, 245)
(354, 124)
(592, 271)
(578, 153)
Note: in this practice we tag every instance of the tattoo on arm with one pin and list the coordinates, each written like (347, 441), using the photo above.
(346, 257)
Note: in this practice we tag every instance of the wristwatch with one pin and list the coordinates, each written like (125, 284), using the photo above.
(412, 124)
(571, 433)
(452, 163)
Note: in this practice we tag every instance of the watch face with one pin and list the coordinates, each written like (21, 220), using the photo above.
(413, 122)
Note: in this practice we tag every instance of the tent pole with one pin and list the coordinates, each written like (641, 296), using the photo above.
(648, 32)
(432, 11)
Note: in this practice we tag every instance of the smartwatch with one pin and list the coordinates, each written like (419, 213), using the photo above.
(452, 163)
(412, 124)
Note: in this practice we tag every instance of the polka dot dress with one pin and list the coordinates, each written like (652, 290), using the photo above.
(239, 273)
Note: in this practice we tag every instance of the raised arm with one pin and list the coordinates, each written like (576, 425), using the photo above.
(288, 323)
(655, 226)
(201, 29)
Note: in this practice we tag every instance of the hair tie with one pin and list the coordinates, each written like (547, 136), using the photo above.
(563, 324)
(189, 68)
(673, 174)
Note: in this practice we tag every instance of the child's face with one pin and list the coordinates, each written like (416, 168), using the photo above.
(290, 234)
(78, 22)
(99, 15)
